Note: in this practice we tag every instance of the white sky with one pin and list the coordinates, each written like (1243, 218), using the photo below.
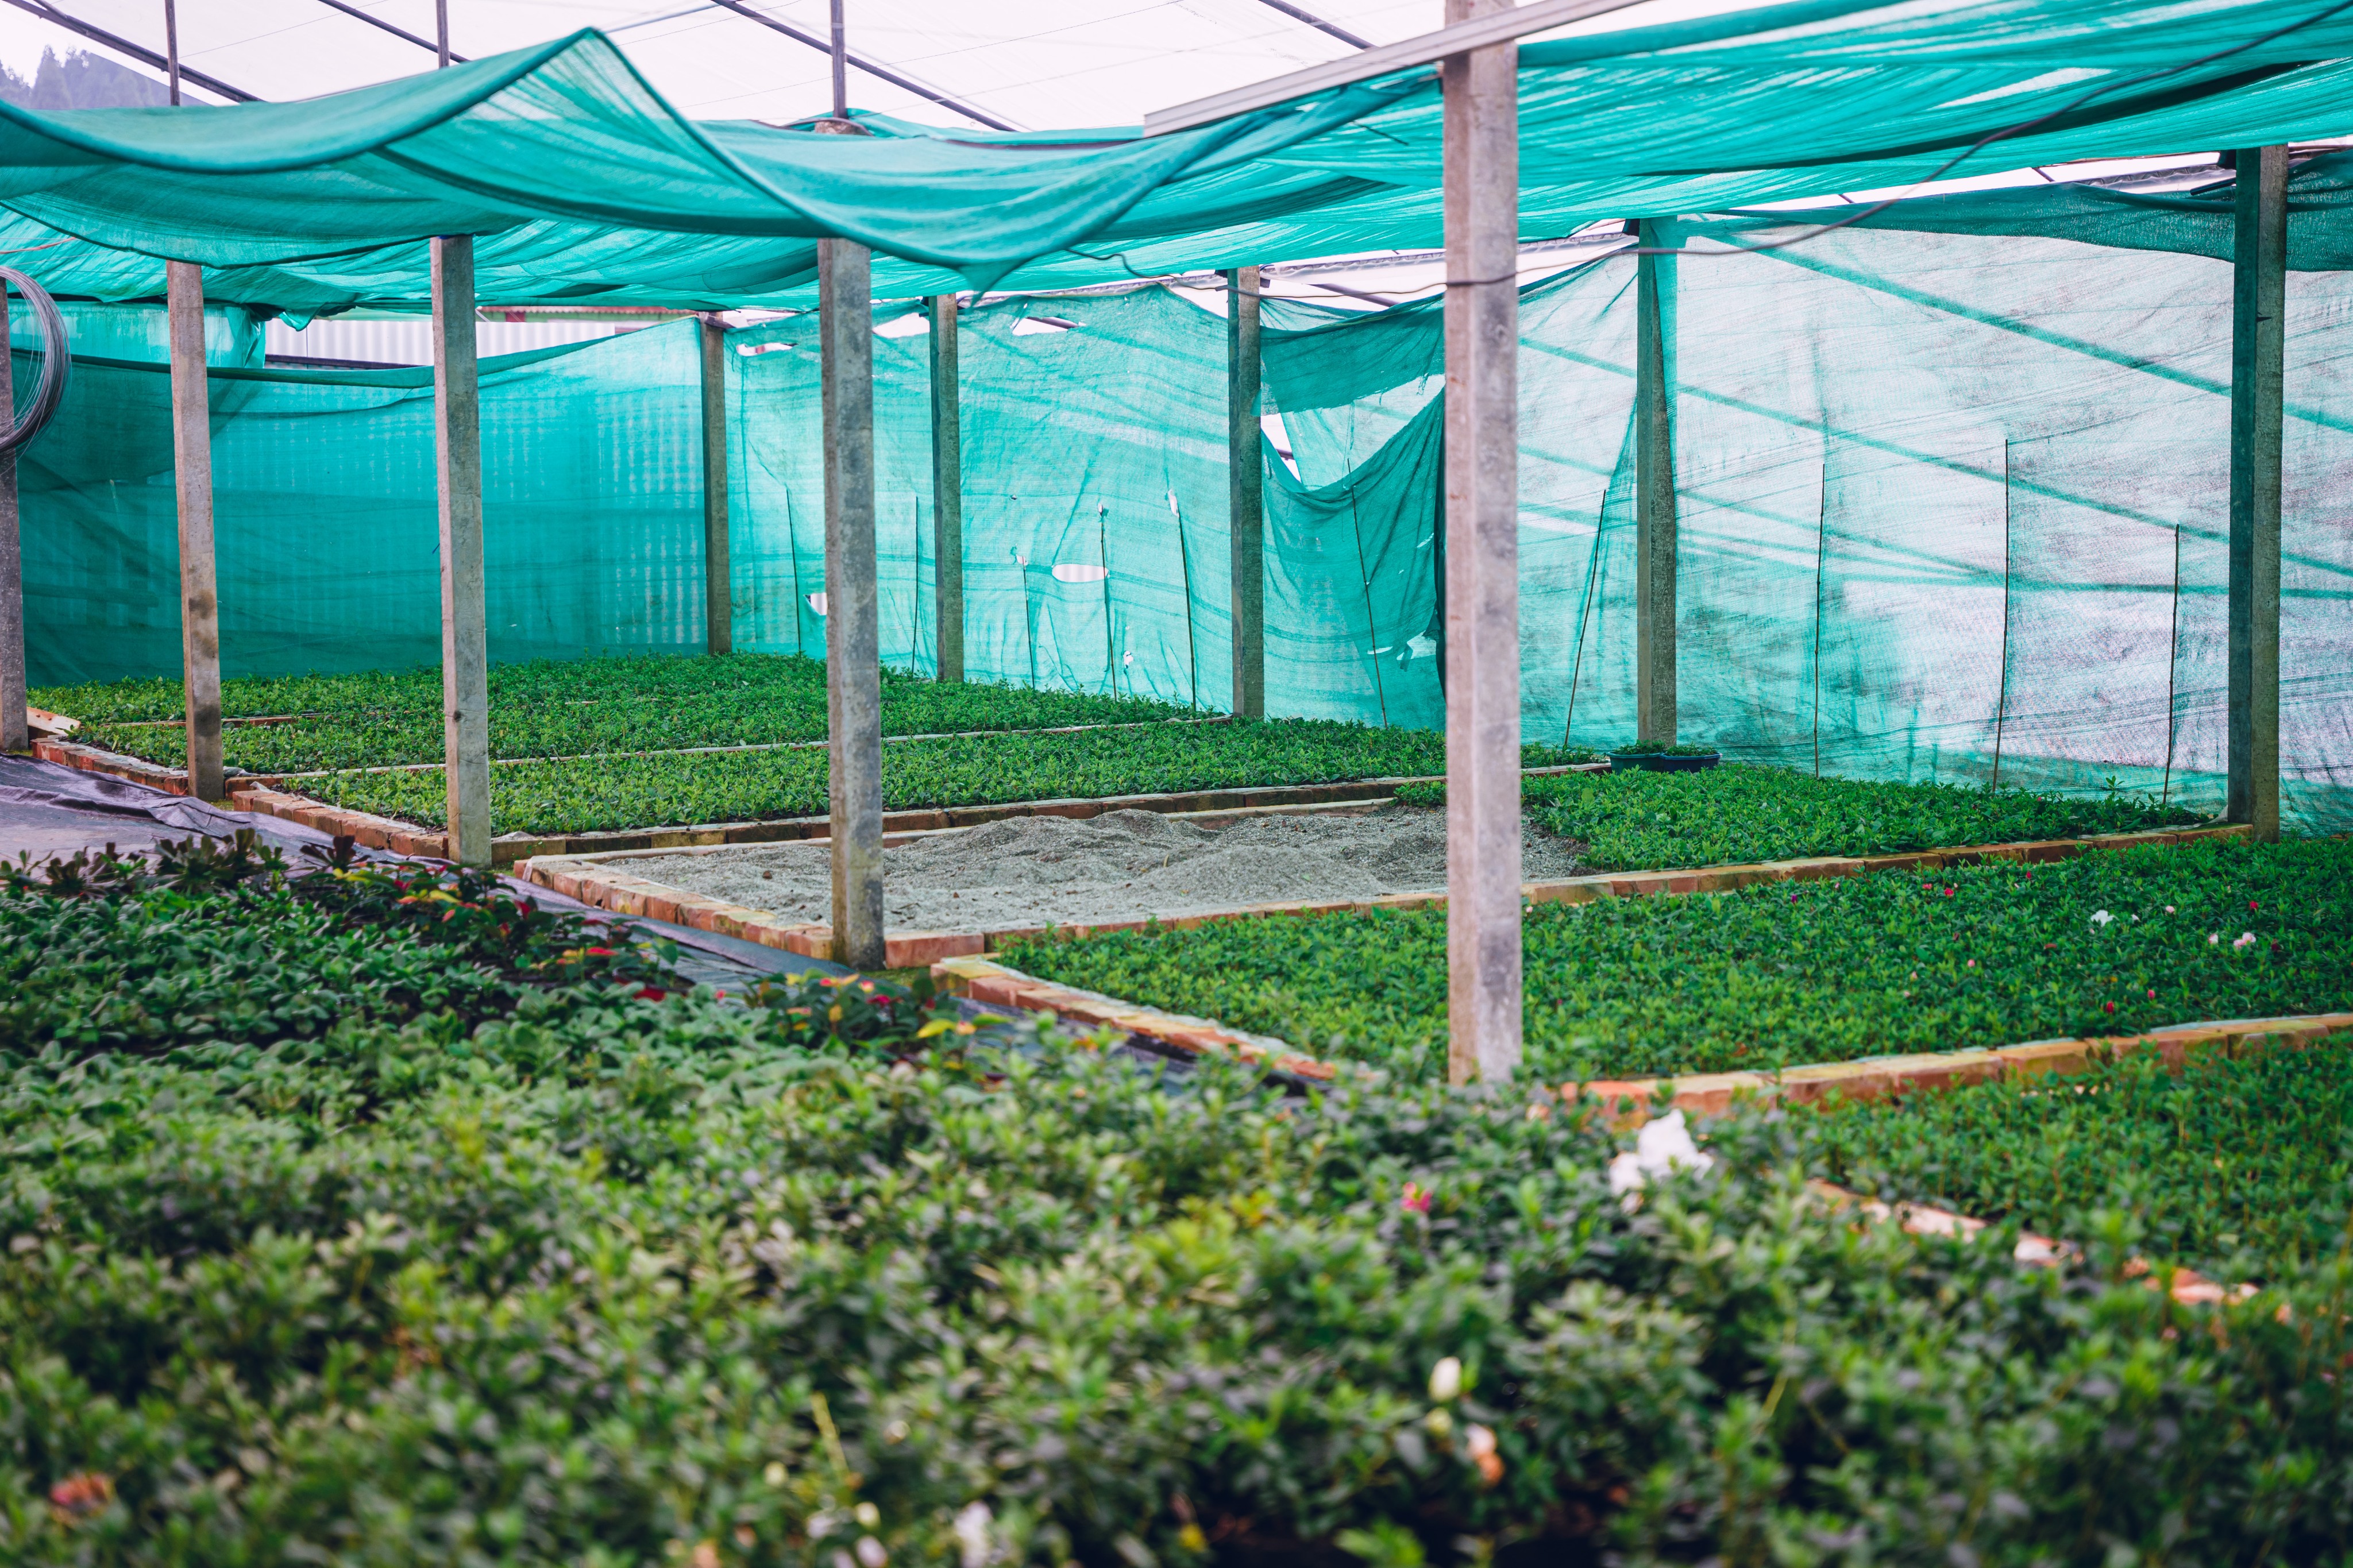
(1039, 64)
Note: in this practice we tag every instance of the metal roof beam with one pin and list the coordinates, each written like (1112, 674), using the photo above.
(1480, 32)
(379, 23)
(824, 46)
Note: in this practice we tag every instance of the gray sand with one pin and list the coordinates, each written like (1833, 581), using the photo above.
(1122, 866)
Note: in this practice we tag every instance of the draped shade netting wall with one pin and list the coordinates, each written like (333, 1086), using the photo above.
(1942, 496)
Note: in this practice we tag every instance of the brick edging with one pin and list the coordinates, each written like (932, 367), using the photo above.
(2190, 1288)
(994, 984)
(365, 828)
(1875, 1077)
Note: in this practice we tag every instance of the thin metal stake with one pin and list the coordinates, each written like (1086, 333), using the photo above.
(2172, 665)
(1821, 555)
(1185, 560)
(2001, 704)
(442, 31)
(172, 50)
(1584, 613)
(840, 65)
(1110, 640)
(1372, 632)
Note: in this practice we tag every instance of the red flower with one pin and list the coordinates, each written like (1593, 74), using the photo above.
(598, 952)
(2110, 1006)
(651, 994)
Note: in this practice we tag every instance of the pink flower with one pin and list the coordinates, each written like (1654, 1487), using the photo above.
(1416, 1199)
(2110, 1006)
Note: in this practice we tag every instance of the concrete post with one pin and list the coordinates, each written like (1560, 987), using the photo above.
(458, 476)
(192, 463)
(853, 663)
(2258, 343)
(947, 490)
(1246, 491)
(1654, 507)
(1483, 576)
(718, 588)
(16, 729)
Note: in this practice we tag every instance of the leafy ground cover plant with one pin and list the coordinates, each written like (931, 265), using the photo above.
(2239, 1166)
(596, 1280)
(2114, 942)
(567, 708)
(1736, 814)
(644, 792)
(215, 947)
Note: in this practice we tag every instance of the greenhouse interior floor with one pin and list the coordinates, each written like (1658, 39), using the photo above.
(1122, 866)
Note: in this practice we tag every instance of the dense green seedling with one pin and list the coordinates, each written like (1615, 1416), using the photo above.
(1786, 974)
(1735, 815)
(2236, 1166)
(724, 786)
(609, 1282)
(213, 949)
(551, 709)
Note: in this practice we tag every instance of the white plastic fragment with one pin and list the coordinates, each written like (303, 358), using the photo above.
(1662, 1146)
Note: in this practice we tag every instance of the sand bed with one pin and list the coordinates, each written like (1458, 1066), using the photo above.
(1122, 866)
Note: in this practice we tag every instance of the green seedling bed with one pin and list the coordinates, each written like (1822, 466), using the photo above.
(1784, 973)
(551, 709)
(624, 793)
(2239, 1166)
(1736, 814)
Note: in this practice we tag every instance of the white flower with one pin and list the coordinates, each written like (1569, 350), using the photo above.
(1662, 1146)
(2246, 938)
(2212, 937)
(870, 1553)
(2168, 908)
(971, 1523)
(2101, 917)
(1478, 1441)
(1446, 1380)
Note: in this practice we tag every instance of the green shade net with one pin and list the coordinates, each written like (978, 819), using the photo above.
(586, 185)
(325, 521)
(1097, 555)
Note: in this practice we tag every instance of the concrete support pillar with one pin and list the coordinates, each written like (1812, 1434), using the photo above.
(192, 464)
(16, 732)
(1654, 504)
(718, 588)
(947, 490)
(1246, 491)
(1482, 574)
(2258, 357)
(457, 477)
(853, 663)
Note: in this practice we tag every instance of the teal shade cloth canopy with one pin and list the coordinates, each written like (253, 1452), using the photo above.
(586, 185)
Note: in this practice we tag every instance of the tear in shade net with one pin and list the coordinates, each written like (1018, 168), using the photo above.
(1943, 495)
